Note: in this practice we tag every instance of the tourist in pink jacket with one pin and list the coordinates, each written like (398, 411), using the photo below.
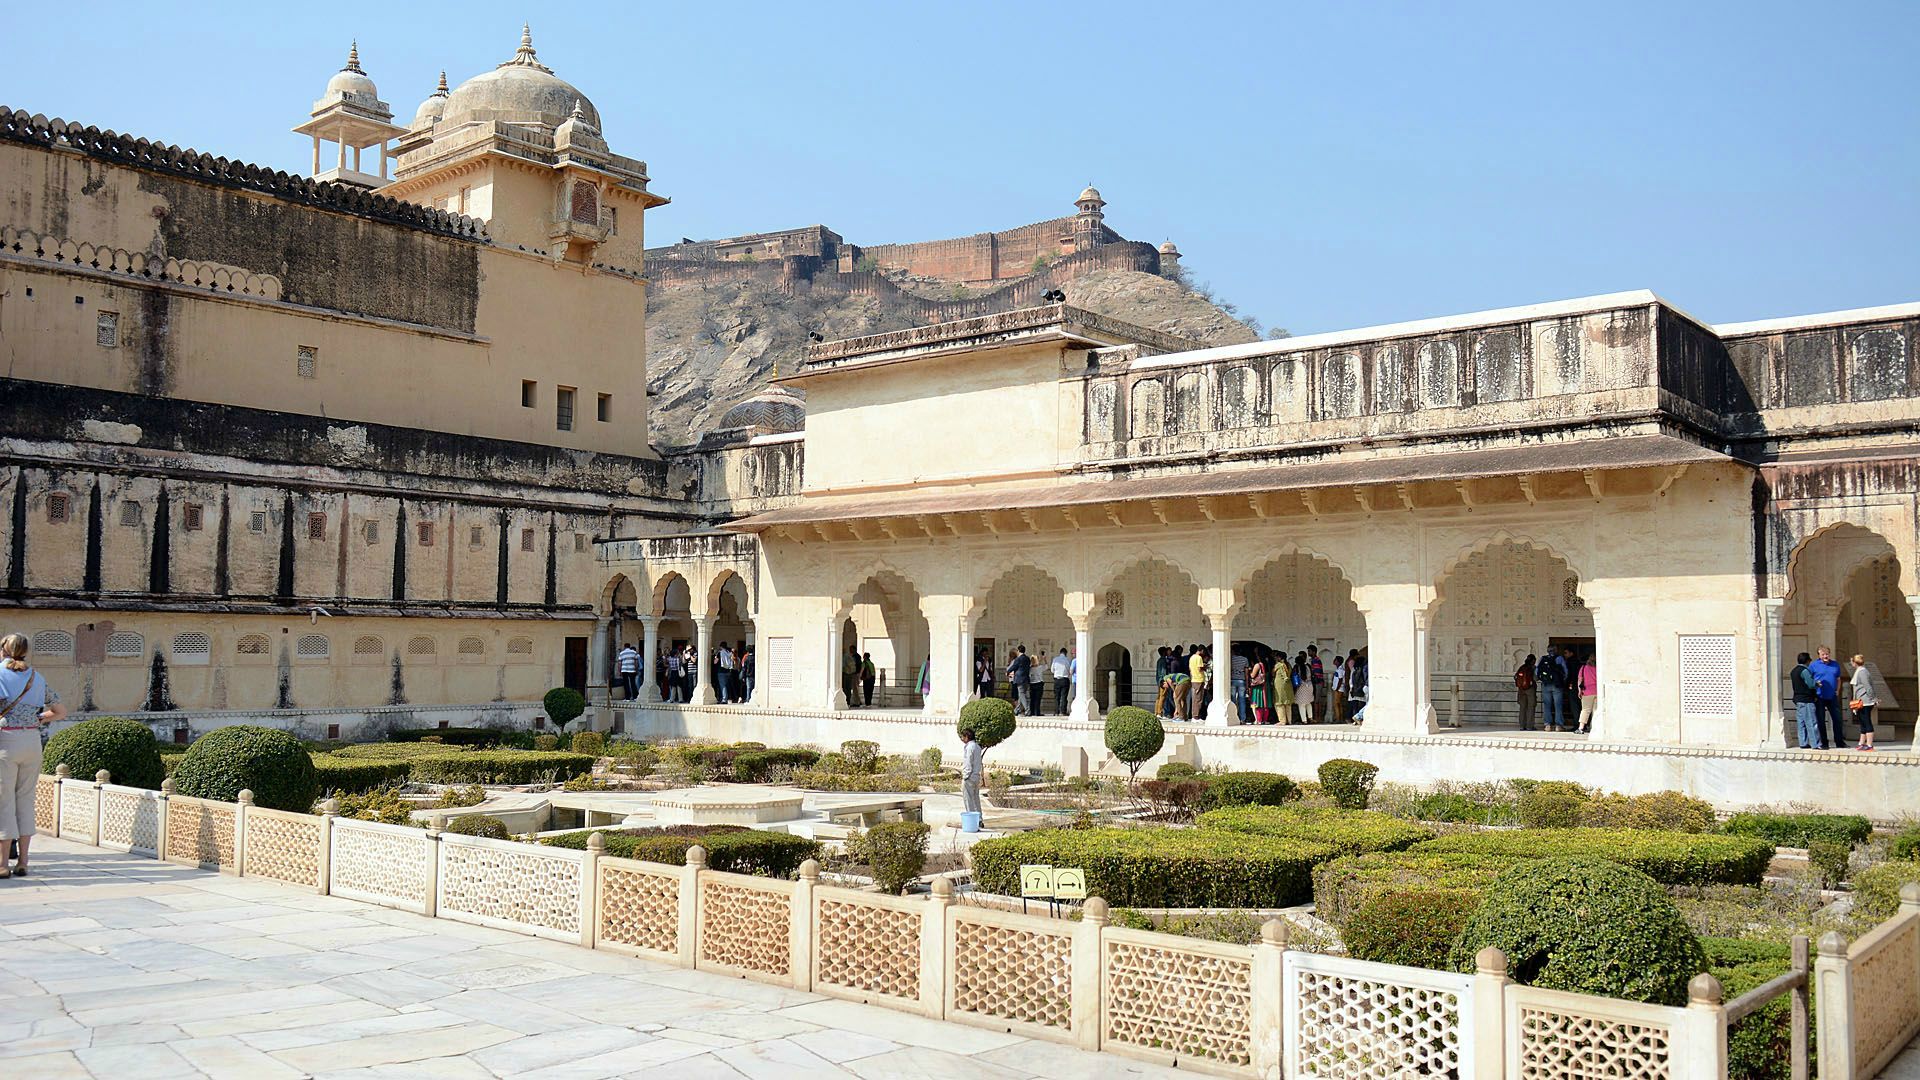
(1588, 682)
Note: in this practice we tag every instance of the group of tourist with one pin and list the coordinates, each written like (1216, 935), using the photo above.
(27, 706)
(859, 675)
(1268, 688)
(677, 672)
(1556, 691)
(1026, 679)
(1817, 695)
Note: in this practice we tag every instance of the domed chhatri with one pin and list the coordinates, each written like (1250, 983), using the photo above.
(435, 107)
(519, 91)
(351, 115)
(352, 79)
(1090, 195)
(775, 410)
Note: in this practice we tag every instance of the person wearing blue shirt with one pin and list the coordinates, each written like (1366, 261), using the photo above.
(1826, 699)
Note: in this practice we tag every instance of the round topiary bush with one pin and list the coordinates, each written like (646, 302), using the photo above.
(479, 825)
(588, 742)
(1176, 770)
(1588, 926)
(1247, 789)
(1551, 805)
(125, 748)
(1347, 782)
(896, 852)
(226, 761)
(563, 705)
(990, 719)
(1413, 927)
(1134, 735)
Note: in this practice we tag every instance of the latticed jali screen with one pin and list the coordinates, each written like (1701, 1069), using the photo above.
(1012, 974)
(746, 928)
(639, 909)
(1566, 1046)
(284, 847)
(510, 886)
(864, 946)
(76, 811)
(200, 832)
(1354, 1027)
(1179, 1001)
(381, 866)
(46, 804)
(129, 820)
(1886, 1000)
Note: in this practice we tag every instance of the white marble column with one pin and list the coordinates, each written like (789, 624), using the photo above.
(597, 661)
(969, 686)
(703, 660)
(1773, 731)
(1398, 668)
(1084, 707)
(1913, 741)
(649, 656)
(836, 698)
(1220, 711)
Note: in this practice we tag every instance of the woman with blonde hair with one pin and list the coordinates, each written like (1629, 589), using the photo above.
(26, 703)
(1864, 699)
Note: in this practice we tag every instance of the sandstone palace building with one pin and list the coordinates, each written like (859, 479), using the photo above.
(372, 447)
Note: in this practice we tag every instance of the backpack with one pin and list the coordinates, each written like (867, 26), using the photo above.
(1523, 678)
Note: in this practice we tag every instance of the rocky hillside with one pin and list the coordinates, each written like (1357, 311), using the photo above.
(711, 347)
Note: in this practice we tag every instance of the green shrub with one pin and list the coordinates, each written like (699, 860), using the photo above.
(1455, 807)
(226, 761)
(1246, 789)
(479, 825)
(732, 848)
(990, 720)
(1905, 844)
(380, 804)
(1342, 886)
(757, 766)
(930, 759)
(1349, 832)
(455, 797)
(1801, 830)
(862, 755)
(546, 742)
(1588, 926)
(332, 774)
(1876, 890)
(1232, 927)
(1829, 859)
(1176, 770)
(1759, 1047)
(1134, 735)
(563, 704)
(125, 748)
(1550, 805)
(406, 751)
(817, 780)
(1347, 782)
(1670, 810)
(589, 742)
(502, 767)
(896, 853)
(1671, 858)
(453, 736)
(1160, 867)
(1414, 927)
(1727, 952)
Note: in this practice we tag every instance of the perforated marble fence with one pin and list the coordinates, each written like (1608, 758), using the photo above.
(1260, 1010)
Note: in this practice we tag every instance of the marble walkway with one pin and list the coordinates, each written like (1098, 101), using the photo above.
(114, 967)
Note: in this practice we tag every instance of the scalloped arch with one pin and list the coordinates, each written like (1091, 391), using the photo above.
(875, 566)
(657, 590)
(1504, 536)
(1243, 575)
(1006, 570)
(1113, 569)
(719, 584)
(1793, 559)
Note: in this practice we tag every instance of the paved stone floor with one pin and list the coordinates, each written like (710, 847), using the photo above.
(1906, 1066)
(122, 968)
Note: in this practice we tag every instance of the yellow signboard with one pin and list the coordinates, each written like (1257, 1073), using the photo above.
(1036, 881)
(1069, 883)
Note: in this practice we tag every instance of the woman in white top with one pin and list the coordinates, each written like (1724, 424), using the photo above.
(1864, 699)
(26, 703)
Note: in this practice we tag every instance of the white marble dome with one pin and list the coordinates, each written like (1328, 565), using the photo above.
(520, 91)
(435, 107)
(773, 410)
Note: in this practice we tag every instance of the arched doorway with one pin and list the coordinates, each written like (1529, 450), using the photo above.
(1025, 608)
(619, 606)
(1151, 605)
(1113, 676)
(673, 606)
(1299, 600)
(732, 630)
(1494, 607)
(882, 620)
(1845, 592)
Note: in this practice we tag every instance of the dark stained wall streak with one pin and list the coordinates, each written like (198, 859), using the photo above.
(159, 565)
(90, 582)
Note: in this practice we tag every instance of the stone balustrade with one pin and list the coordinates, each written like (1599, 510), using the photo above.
(1262, 1010)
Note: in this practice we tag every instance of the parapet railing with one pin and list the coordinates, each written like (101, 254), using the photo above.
(1260, 1010)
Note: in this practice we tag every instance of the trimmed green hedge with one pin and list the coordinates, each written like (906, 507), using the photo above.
(1160, 867)
(1760, 1046)
(1347, 782)
(452, 736)
(1342, 886)
(1801, 830)
(1671, 858)
(353, 776)
(1412, 927)
(732, 848)
(1246, 789)
(757, 766)
(125, 748)
(816, 780)
(1586, 925)
(226, 761)
(401, 751)
(1349, 832)
(479, 825)
(501, 767)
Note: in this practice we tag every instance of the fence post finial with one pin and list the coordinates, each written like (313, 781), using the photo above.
(697, 857)
(597, 844)
(62, 771)
(1490, 961)
(1274, 932)
(1832, 944)
(103, 777)
(943, 890)
(1910, 896)
(330, 807)
(1704, 991)
(1095, 911)
(166, 786)
(809, 870)
(246, 797)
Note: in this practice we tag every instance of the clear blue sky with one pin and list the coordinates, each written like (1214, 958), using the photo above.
(1322, 165)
